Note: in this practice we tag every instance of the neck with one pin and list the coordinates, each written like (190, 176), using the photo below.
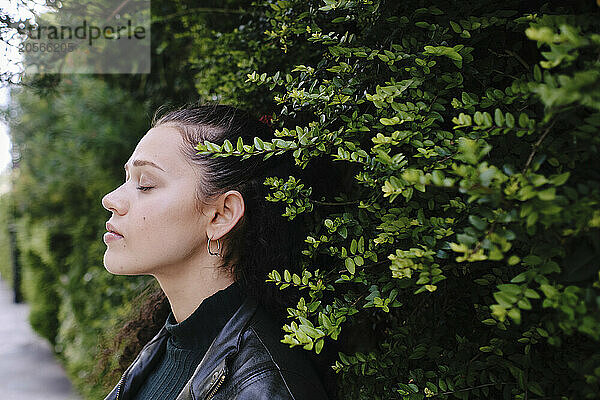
(186, 287)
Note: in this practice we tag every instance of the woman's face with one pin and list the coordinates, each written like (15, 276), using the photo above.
(155, 223)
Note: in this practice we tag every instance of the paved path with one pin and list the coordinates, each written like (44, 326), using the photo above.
(28, 370)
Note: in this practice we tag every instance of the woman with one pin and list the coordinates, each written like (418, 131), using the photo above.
(202, 228)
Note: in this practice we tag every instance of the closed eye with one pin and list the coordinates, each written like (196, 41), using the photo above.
(144, 188)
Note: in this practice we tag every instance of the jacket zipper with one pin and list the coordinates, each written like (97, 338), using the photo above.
(119, 387)
(218, 385)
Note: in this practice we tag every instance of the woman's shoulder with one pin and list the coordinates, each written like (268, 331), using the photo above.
(248, 361)
(263, 367)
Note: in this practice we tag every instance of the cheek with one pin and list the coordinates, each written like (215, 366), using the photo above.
(169, 221)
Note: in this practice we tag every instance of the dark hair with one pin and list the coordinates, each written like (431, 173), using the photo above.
(261, 241)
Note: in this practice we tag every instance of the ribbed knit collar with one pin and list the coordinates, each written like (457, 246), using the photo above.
(206, 321)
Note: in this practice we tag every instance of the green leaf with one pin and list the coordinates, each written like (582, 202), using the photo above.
(276, 275)
(537, 73)
(353, 246)
(535, 388)
(513, 260)
(523, 120)
(390, 121)
(510, 120)
(524, 304)
(498, 117)
(343, 231)
(259, 144)
(511, 289)
(319, 345)
(287, 276)
(561, 179)
(477, 222)
(227, 146)
(311, 332)
(522, 277)
(548, 194)
(532, 260)
(515, 315)
(350, 266)
(455, 27)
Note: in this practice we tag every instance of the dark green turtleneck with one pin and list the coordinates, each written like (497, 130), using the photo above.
(187, 344)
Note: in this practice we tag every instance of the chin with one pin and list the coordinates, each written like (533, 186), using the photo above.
(114, 269)
(117, 267)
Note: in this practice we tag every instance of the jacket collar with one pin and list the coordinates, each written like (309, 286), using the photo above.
(209, 372)
(213, 366)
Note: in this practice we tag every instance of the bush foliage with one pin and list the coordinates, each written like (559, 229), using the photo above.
(467, 241)
(6, 268)
(458, 258)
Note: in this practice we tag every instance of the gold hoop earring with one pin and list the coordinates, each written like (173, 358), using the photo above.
(218, 253)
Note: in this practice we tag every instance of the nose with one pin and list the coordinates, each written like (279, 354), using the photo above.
(115, 202)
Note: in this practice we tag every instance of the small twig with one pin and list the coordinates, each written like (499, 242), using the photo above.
(515, 55)
(472, 388)
(474, 358)
(325, 203)
(432, 103)
(116, 10)
(369, 265)
(357, 300)
(504, 73)
(535, 147)
(479, 243)
(446, 158)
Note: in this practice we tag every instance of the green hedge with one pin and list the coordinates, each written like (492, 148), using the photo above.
(6, 272)
(72, 148)
(465, 250)
(458, 259)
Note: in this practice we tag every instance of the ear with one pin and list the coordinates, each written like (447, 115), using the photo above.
(224, 214)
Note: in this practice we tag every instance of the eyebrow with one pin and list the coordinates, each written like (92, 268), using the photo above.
(141, 163)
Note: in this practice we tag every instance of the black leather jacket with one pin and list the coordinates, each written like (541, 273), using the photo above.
(246, 361)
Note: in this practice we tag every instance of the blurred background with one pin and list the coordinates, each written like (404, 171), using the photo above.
(63, 142)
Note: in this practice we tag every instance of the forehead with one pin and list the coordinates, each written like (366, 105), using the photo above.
(162, 146)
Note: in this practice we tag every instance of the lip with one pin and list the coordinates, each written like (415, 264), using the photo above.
(111, 228)
(112, 234)
(111, 237)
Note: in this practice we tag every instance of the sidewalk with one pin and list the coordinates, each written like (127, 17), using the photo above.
(28, 370)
